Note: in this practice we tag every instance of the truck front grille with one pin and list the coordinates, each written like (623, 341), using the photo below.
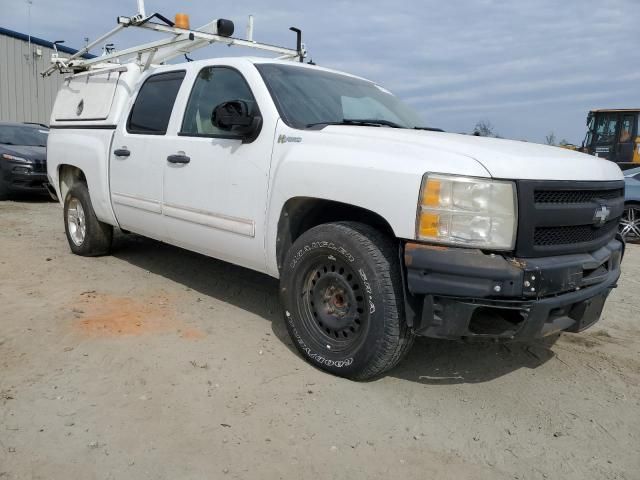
(576, 196)
(561, 217)
(572, 235)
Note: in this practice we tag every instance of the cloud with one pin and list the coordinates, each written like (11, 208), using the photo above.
(528, 67)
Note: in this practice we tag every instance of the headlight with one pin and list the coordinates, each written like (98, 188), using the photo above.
(465, 211)
(13, 158)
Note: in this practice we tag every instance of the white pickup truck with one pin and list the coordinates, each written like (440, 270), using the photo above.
(378, 229)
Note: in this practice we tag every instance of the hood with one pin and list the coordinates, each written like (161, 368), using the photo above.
(505, 159)
(26, 152)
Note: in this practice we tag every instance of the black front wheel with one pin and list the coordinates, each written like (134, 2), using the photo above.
(342, 292)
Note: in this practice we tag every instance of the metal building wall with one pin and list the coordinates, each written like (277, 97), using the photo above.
(24, 95)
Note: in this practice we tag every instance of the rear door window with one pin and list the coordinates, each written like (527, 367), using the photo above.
(152, 110)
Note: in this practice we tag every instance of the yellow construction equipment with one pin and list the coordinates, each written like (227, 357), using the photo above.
(614, 134)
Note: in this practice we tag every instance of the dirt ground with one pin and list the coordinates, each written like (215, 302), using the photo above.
(157, 363)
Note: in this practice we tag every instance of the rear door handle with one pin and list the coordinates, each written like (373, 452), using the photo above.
(122, 152)
(178, 158)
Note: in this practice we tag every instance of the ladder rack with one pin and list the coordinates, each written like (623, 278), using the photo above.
(181, 42)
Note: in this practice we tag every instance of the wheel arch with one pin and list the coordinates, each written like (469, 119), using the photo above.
(68, 175)
(300, 214)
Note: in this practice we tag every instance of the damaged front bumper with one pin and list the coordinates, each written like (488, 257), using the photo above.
(465, 293)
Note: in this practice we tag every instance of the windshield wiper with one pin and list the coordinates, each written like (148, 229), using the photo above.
(365, 122)
(429, 129)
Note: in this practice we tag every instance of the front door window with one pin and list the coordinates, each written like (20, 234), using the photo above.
(214, 85)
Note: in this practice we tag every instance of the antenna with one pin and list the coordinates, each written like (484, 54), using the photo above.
(250, 28)
(29, 4)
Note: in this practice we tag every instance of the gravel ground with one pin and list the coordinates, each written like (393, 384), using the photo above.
(157, 363)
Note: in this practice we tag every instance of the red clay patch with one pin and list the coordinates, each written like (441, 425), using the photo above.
(110, 316)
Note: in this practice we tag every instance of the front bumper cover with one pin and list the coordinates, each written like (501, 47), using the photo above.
(465, 293)
(23, 177)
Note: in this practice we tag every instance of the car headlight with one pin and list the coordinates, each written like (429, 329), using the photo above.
(13, 158)
(466, 211)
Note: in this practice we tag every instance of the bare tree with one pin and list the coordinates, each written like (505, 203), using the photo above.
(551, 139)
(484, 128)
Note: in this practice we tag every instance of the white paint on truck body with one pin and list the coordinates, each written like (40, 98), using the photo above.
(228, 200)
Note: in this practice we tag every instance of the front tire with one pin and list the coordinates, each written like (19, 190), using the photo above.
(87, 236)
(341, 288)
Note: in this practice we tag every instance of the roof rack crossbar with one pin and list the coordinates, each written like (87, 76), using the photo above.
(140, 49)
(58, 62)
(182, 41)
(230, 41)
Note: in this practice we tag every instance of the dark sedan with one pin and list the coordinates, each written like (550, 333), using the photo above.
(23, 153)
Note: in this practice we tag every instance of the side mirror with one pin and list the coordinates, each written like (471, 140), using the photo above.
(236, 118)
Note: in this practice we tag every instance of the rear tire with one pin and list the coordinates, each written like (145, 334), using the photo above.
(341, 288)
(87, 236)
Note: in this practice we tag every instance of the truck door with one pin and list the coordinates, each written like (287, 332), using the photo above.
(215, 186)
(605, 135)
(626, 139)
(137, 165)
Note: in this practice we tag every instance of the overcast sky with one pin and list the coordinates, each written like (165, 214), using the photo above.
(529, 67)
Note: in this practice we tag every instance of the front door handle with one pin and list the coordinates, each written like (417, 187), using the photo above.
(178, 158)
(122, 152)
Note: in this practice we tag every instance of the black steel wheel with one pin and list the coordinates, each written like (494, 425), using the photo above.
(342, 293)
(334, 305)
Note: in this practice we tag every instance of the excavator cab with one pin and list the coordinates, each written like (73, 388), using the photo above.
(614, 135)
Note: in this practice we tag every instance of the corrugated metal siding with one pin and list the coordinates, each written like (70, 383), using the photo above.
(24, 95)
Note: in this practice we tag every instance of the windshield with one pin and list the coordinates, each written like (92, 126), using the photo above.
(23, 135)
(306, 97)
(604, 129)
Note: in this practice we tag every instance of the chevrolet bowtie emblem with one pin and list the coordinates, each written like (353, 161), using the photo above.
(601, 215)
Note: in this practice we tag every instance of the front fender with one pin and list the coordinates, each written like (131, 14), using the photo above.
(378, 176)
